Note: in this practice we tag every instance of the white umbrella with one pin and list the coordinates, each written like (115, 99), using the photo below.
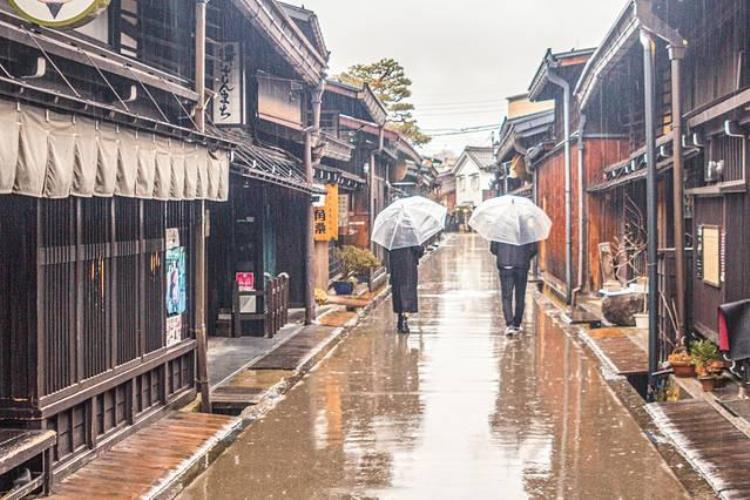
(512, 220)
(408, 222)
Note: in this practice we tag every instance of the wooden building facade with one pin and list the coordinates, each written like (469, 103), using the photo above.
(104, 179)
(707, 42)
(267, 71)
(569, 259)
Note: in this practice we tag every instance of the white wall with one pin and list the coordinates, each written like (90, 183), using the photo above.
(471, 182)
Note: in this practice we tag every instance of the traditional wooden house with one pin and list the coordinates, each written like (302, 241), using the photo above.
(714, 83)
(562, 169)
(104, 172)
(524, 132)
(404, 165)
(612, 93)
(353, 131)
(268, 75)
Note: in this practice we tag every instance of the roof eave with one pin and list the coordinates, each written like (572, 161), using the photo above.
(286, 37)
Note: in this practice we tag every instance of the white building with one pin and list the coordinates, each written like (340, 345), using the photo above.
(474, 176)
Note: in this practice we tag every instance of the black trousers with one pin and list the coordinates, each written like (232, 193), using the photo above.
(513, 280)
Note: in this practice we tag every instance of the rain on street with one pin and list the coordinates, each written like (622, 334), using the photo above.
(453, 410)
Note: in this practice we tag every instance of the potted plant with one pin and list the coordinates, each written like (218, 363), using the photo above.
(356, 263)
(345, 286)
(707, 360)
(681, 363)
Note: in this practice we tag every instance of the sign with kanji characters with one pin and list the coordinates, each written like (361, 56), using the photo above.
(326, 221)
(228, 76)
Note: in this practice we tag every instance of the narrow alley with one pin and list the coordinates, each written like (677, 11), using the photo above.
(454, 410)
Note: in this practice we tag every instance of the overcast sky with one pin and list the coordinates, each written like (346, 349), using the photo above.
(464, 57)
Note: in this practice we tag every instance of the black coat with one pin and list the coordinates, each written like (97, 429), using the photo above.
(404, 264)
(518, 257)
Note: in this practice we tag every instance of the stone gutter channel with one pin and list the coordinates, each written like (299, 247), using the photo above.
(174, 481)
(687, 474)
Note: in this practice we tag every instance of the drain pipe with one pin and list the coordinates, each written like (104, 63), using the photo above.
(653, 26)
(676, 55)
(562, 83)
(649, 48)
(582, 215)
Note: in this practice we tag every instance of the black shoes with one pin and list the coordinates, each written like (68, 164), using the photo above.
(403, 326)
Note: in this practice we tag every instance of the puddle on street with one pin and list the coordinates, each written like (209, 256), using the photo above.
(454, 410)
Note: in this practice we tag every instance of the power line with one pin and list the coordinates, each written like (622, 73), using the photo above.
(473, 127)
(439, 104)
(493, 112)
(467, 131)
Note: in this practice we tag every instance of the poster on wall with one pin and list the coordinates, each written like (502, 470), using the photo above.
(229, 81)
(176, 289)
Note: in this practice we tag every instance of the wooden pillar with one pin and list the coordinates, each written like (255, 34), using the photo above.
(200, 63)
(676, 55)
(200, 308)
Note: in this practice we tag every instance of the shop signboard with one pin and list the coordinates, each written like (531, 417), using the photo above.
(59, 13)
(228, 74)
(327, 215)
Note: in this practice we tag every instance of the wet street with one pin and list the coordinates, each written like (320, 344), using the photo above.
(454, 410)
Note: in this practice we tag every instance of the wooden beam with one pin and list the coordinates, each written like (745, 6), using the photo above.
(721, 108)
(79, 51)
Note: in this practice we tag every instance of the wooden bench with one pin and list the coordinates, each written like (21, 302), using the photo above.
(30, 448)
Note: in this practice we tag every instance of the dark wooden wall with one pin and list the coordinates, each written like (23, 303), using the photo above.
(719, 44)
(17, 299)
(289, 212)
(707, 298)
(602, 225)
(83, 320)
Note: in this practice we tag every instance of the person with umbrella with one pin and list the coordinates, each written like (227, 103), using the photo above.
(402, 229)
(404, 282)
(513, 264)
(514, 225)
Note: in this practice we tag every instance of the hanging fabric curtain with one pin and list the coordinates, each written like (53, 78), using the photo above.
(50, 155)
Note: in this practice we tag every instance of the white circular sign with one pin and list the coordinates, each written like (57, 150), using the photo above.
(59, 13)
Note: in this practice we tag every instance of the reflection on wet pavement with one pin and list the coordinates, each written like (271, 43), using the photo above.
(455, 410)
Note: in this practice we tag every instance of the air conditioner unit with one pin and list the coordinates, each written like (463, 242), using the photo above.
(714, 170)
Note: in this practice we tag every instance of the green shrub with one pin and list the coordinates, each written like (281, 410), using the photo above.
(356, 261)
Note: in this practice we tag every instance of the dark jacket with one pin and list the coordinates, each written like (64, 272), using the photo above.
(515, 256)
(404, 267)
(734, 329)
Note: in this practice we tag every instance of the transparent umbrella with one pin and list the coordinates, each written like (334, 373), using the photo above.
(408, 222)
(512, 220)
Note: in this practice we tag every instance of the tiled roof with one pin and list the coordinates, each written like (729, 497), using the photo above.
(484, 157)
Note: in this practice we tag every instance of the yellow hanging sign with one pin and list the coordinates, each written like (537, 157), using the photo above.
(326, 221)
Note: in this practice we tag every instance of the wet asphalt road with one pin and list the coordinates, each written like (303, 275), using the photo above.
(454, 410)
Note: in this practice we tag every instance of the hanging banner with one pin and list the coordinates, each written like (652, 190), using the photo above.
(228, 77)
(327, 216)
(59, 13)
